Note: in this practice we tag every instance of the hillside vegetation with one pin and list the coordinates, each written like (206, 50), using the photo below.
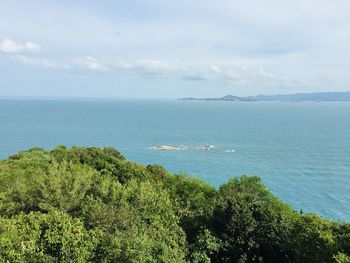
(93, 205)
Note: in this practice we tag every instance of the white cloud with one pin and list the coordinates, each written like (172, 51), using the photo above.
(144, 65)
(235, 42)
(232, 75)
(150, 67)
(263, 73)
(215, 69)
(194, 77)
(150, 64)
(9, 46)
(41, 62)
(92, 63)
(87, 63)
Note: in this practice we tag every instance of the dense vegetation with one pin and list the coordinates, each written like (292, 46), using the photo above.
(92, 205)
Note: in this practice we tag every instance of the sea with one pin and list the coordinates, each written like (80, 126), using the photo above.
(300, 150)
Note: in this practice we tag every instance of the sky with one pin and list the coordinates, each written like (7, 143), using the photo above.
(170, 49)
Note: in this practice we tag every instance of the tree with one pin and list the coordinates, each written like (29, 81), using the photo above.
(253, 225)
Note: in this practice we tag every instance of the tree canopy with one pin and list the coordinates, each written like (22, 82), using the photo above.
(92, 205)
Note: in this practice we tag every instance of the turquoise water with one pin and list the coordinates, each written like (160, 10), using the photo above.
(300, 150)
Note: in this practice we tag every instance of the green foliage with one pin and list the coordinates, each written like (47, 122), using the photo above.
(313, 239)
(92, 205)
(253, 225)
(52, 237)
(139, 219)
(193, 201)
(204, 247)
(62, 186)
(342, 258)
(342, 237)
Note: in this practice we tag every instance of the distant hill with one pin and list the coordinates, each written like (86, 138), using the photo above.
(317, 96)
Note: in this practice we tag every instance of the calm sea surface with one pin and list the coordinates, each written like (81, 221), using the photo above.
(300, 150)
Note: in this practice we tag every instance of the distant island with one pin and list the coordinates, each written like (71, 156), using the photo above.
(297, 97)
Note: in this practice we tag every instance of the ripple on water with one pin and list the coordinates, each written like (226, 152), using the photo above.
(301, 151)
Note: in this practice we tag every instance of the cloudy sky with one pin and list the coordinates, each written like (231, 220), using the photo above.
(167, 49)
